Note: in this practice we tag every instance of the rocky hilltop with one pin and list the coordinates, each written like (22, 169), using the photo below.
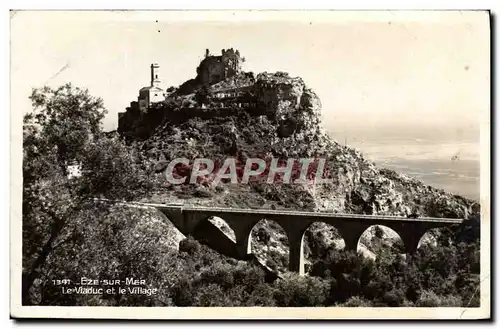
(271, 115)
(226, 112)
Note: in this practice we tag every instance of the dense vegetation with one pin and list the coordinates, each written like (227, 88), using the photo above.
(67, 235)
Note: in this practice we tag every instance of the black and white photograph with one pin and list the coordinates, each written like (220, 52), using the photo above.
(250, 164)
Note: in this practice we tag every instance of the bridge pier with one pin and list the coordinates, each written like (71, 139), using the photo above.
(242, 227)
(174, 215)
(294, 229)
(410, 236)
(351, 242)
(296, 252)
(243, 246)
(351, 234)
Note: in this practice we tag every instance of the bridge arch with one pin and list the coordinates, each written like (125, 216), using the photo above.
(271, 249)
(317, 239)
(217, 233)
(377, 237)
(223, 226)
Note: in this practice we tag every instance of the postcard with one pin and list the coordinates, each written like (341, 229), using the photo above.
(250, 164)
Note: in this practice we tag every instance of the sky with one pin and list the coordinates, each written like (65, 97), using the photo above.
(370, 69)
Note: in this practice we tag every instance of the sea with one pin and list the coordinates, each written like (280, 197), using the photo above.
(443, 158)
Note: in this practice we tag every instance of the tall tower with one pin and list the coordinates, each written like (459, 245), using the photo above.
(155, 75)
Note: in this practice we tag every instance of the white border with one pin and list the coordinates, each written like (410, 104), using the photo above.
(233, 313)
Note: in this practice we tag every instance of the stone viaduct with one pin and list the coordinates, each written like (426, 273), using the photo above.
(193, 220)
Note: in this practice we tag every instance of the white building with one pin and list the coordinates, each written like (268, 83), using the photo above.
(153, 93)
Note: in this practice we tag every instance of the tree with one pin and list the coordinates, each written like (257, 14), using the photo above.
(64, 130)
(64, 119)
(116, 243)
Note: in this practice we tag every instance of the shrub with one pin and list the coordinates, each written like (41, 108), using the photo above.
(262, 295)
(211, 295)
(190, 246)
(451, 301)
(249, 276)
(428, 299)
(394, 298)
(356, 301)
(295, 290)
(218, 274)
(263, 235)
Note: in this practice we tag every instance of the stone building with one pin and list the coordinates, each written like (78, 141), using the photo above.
(237, 97)
(213, 69)
(152, 93)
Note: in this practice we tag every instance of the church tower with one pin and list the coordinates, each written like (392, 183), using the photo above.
(155, 75)
(153, 93)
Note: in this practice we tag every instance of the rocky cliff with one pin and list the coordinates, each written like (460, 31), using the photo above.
(274, 115)
(282, 121)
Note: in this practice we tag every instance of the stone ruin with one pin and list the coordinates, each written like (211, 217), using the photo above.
(213, 69)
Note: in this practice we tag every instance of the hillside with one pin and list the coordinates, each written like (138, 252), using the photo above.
(270, 115)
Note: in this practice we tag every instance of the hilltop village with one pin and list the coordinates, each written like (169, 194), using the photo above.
(220, 84)
(224, 111)
(211, 70)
